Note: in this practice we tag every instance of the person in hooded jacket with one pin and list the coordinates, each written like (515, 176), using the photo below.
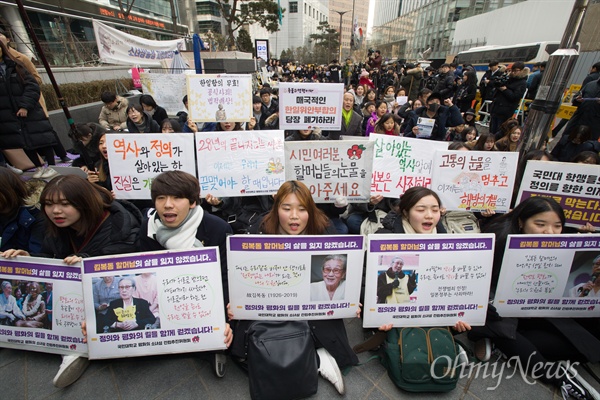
(411, 80)
(24, 123)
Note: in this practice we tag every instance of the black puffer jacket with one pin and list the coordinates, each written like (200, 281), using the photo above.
(22, 91)
(118, 234)
(506, 101)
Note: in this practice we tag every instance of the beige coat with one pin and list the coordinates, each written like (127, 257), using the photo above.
(109, 118)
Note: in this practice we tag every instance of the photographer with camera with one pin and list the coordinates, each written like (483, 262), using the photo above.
(375, 59)
(510, 89)
(486, 87)
(412, 75)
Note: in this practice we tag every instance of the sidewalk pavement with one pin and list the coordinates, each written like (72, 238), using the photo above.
(28, 375)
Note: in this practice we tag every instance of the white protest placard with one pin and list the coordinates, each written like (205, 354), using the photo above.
(425, 126)
(41, 306)
(135, 159)
(400, 163)
(165, 302)
(576, 187)
(401, 100)
(166, 89)
(427, 280)
(294, 277)
(310, 105)
(474, 180)
(331, 168)
(219, 98)
(240, 163)
(549, 276)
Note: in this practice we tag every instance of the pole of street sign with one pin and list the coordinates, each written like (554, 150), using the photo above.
(554, 82)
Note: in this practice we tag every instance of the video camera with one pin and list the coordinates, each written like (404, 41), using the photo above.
(500, 80)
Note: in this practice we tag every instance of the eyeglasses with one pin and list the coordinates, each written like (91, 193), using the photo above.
(336, 271)
(125, 287)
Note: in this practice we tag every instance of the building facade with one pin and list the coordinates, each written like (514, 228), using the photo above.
(425, 28)
(300, 19)
(64, 29)
(354, 20)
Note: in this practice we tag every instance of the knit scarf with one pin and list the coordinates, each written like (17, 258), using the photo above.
(182, 237)
(347, 115)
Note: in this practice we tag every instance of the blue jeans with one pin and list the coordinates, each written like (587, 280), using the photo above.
(354, 221)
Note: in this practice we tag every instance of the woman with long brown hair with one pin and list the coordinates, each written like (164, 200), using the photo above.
(295, 213)
(83, 220)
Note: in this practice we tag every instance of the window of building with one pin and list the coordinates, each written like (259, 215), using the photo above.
(293, 7)
(214, 26)
(207, 8)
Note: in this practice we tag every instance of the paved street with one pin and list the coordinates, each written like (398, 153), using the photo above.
(28, 375)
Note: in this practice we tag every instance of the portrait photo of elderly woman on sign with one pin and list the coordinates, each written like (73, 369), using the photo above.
(328, 278)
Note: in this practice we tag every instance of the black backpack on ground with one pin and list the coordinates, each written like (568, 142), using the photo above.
(282, 361)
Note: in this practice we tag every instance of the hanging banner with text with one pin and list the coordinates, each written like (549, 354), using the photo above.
(427, 280)
(161, 303)
(400, 163)
(310, 105)
(219, 98)
(331, 168)
(475, 180)
(550, 276)
(577, 191)
(41, 306)
(294, 277)
(118, 47)
(240, 163)
(166, 89)
(135, 159)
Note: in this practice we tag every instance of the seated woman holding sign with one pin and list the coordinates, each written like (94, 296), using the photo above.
(537, 342)
(295, 213)
(419, 212)
(83, 220)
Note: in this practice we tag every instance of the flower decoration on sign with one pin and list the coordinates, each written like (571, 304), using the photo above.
(355, 152)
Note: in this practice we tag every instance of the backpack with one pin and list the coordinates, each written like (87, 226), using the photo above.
(460, 222)
(421, 359)
(282, 361)
(244, 214)
(367, 227)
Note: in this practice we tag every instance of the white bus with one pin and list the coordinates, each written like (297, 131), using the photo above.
(529, 53)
